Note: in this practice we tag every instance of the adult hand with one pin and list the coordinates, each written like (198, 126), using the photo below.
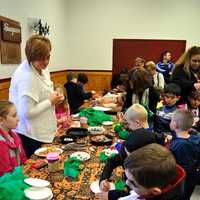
(55, 97)
(197, 86)
(101, 196)
(105, 185)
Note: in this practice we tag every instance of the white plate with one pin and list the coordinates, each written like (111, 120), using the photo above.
(75, 115)
(96, 189)
(107, 123)
(100, 108)
(36, 182)
(43, 151)
(35, 193)
(82, 156)
(95, 130)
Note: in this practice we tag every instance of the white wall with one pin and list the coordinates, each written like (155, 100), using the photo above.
(54, 12)
(82, 30)
(94, 23)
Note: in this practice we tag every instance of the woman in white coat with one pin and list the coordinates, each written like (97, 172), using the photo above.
(31, 91)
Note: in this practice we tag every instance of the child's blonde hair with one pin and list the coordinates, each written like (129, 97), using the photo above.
(150, 66)
(137, 112)
(5, 107)
(184, 119)
(62, 88)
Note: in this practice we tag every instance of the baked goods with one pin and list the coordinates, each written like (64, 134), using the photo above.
(101, 139)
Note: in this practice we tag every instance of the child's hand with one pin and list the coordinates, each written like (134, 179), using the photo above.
(101, 196)
(105, 185)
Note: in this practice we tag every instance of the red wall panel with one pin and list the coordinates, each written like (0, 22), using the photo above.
(126, 50)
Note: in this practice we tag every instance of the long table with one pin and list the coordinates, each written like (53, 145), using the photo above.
(67, 188)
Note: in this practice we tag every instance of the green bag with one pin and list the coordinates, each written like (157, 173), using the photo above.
(94, 117)
(12, 185)
(71, 167)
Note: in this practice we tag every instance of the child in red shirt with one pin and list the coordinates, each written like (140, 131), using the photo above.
(12, 152)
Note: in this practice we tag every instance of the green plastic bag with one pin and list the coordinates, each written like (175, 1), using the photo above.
(71, 167)
(12, 185)
(94, 117)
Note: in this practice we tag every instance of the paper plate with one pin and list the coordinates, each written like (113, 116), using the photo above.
(96, 189)
(75, 115)
(43, 151)
(100, 108)
(35, 193)
(82, 156)
(36, 182)
(107, 123)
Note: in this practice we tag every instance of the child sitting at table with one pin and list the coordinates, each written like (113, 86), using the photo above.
(186, 149)
(140, 135)
(62, 109)
(163, 116)
(152, 174)
(12, 152)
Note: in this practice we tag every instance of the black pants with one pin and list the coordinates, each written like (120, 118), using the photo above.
(30, 145)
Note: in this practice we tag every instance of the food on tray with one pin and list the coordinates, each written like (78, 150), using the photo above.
(100, 138)
(94, 130)
(42, 152)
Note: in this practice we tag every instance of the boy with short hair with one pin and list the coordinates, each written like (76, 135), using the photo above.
(152, 174)
(140, 135)
(136, 117)
(163, 114)
(186, 149)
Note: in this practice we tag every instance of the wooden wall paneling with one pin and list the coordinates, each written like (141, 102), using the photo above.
(98, 80)
(59, 77)
(10, 53)
(4, 89)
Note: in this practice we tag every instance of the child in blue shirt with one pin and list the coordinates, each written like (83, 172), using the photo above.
(186, 149)
(163, 114)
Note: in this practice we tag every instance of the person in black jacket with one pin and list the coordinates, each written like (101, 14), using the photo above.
(137, 139)
(76, 93)
(186, 72)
